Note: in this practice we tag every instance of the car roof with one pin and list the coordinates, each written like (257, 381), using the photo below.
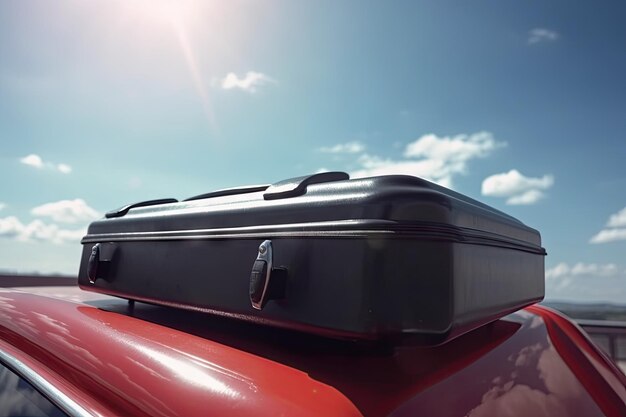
(146, 368)
(121, 358)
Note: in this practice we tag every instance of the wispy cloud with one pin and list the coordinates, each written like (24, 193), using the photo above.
(12, 228)
(36, 161)
(349, 147)
(452, 149)
(517, 188)
(618, 219)
(582, 269)
(248, 83)
(2, 205)
(609, 235)
(538, 35)
(435, 158)
(588, 281)
(66, 211)
(64, 168)
(614, 230)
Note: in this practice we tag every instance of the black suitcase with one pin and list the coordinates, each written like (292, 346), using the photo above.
(382, 257)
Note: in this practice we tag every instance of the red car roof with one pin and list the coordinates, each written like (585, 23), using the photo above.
(114, 358)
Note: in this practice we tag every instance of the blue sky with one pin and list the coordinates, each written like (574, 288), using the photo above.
(521, 105)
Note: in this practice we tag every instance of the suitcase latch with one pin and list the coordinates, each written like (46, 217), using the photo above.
(100, 261)
(266, 282)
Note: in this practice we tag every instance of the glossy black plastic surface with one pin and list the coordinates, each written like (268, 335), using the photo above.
(389, 256)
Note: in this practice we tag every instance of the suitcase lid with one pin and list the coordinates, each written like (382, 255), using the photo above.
(323, 205)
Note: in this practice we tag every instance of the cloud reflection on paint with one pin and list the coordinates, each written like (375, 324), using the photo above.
(508, 395)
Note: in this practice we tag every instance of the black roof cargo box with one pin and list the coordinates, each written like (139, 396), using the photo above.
(372, 258)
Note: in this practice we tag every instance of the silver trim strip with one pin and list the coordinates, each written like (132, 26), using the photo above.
(118, 237)
(346, 229)
(291, 229)
(50, 392)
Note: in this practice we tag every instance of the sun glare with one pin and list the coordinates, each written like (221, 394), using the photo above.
(177, 17)
(164, 12)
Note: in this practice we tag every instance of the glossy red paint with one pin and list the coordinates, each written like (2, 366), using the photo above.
(134, 368)
(597, 373)
(508, 368)
(158, 361)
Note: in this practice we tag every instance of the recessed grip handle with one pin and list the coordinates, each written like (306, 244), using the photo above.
(297, 186)
(124, 209)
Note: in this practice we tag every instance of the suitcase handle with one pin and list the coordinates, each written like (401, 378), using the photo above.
(230, 191)
(297, 186)
(283, 189)
(124, 209)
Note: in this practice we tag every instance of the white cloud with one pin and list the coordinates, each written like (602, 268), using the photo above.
(2, 206)
(430, 169)
(538, 35)
(518, 188)
(435, 158)
(459, 148)
(249, 83)
(350, 147)
(36, 161)
(67, 211)
(605, 270)
(527, 198)
(64, 168)
(586, 281)
(32, 160)
(11, 227)
(614, 230)
(618, 219)
(563, 270)
(609, 235)
(558, 271)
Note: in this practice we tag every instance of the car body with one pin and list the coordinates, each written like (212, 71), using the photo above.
(92, 354)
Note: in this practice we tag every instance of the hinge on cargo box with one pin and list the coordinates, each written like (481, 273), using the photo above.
(266, 282)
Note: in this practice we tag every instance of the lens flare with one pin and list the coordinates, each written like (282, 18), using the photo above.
(177, 16)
